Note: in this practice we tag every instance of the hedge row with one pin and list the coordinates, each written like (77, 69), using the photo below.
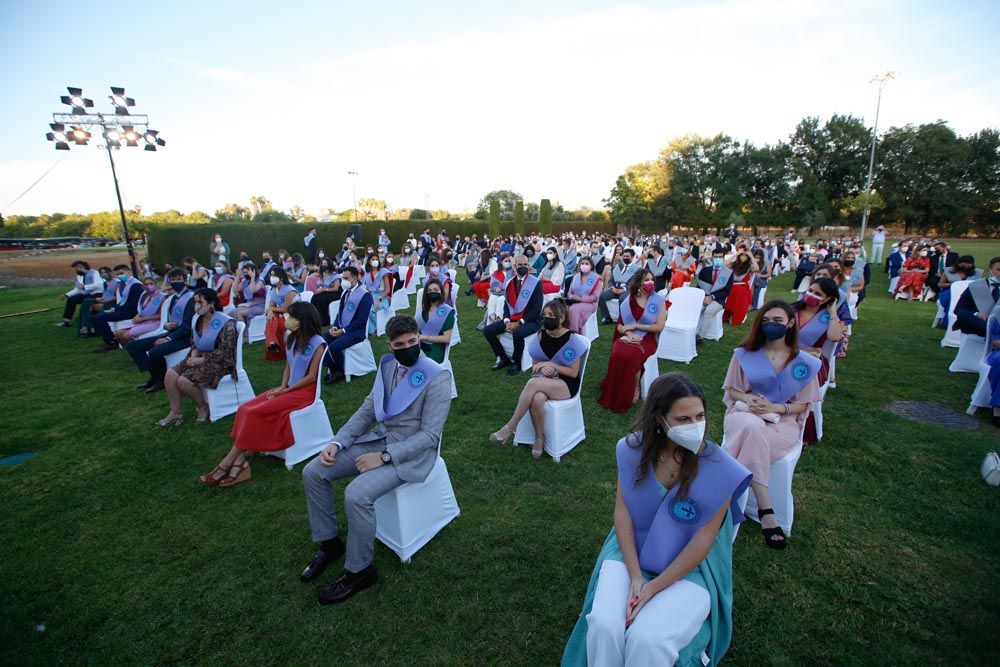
(172, 242)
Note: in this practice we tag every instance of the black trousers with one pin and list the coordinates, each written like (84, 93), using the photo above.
(72, 302)
(153, 358)
(492, 332)
(322, 303)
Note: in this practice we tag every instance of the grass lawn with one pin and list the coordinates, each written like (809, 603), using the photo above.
(110, 543)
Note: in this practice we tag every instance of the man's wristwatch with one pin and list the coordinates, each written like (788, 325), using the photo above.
(386, 457)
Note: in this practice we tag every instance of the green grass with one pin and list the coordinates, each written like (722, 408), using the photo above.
(111, 544)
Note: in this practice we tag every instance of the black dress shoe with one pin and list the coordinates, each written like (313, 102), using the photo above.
(606, 320)
(106, 347)
(348, 584)
(333, 377)
(513, 370)
(154, 387)
(322, 560)
(502, 363)
(144, 385)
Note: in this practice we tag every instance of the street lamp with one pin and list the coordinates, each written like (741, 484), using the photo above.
(354, 190)
(121, 128)
(881, 80)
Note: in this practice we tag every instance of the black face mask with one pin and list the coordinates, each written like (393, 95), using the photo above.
(626, 260)
(81, 272)
(434, 297)
(848, 262)
(550, 323)
(407, 356)
(522, 271)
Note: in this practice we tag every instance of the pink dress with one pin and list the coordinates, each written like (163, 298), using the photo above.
(757, 443)
(584, 307)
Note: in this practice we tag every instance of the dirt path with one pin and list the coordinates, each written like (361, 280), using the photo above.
(33, 268)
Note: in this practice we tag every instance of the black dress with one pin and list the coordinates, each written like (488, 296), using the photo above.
(550, 345)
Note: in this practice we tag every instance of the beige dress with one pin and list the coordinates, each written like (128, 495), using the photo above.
(757, 443)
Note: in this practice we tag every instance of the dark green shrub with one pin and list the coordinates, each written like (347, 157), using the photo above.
(545, 216)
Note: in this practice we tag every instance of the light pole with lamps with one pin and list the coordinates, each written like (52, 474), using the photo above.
(881, 80)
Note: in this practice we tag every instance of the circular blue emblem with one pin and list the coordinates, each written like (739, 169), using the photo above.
(177, 310)
(684, 511)
(570, 354)
(526, 293)
(442, 311)
(654, 308)
(800, 371)
(352, 307)
(824, 317)
(309, 350)
(216, 324)
(417, 378)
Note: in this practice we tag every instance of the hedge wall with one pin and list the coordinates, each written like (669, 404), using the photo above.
(172, 242)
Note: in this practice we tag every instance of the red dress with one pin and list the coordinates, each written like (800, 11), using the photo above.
(625, 363)
(274, 332)
(680, 277)
(913, 278)
(482, 288)
(262, 423)
(739, 299)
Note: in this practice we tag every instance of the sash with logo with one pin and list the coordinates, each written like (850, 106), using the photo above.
(417, 378)
(499, 283)
(621, 274)
(777, 387)
(279, 294)
(523, 297)
(665, 524)
(374, 283)
(571, 351)
(654, 304)
(149, 304)
(298, 362)
(583, 287)
(815, 329)
(434, 324)
(178, 303)
(347, 310)
(125, 288)
(206, 341)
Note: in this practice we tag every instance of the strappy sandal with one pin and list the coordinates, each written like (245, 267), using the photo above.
(202, 420)
(210, 479)
(502, 436)
(538, 450)
(772, 532)
(243, 474)
(171, 420)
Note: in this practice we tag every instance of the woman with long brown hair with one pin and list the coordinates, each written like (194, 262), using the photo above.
(656, 580)
(740, 297)
(769, 390)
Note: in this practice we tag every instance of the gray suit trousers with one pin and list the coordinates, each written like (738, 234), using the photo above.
(359, 501)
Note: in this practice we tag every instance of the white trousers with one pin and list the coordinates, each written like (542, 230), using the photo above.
(663, 627)
(877, 252)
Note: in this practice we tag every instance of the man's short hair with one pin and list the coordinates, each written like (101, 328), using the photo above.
(401, 325)
(995, 260)
(122, 267)
(351, 270)
(176, 273)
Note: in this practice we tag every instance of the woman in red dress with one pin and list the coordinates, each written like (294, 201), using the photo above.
(682, 269)
(913, 275)
(634, 341)
(483, 288)
(281, 296)
(262, 423)
(741, 295)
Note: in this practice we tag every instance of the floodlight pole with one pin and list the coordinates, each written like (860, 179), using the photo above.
(121, 209)
(881, 80)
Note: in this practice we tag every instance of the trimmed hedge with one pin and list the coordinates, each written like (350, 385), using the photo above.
(494, 218)
(172, 242)
(545, 216)
(519, 217)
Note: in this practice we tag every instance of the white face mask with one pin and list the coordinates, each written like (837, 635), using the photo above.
(585, 268)
(322, 255)
(345, 283)
(275, 280)
(374, 265)
(688, 436)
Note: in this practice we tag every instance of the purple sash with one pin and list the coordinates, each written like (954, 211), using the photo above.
(777, 387)
(434, 324)
(418, 376)
(654, 304)
(279, 294)
(122, 296)
(298, 363)
(264, 270)
(524, 296)
(150, 304)
(814, 329)
(111, 289)
(572, 350)
(221, 279)
(663, 524)
(499, 284)
(178, 304)
(247, 288)
(206, 341)
(583, 288)
(89, 278)
(328, 282)
(373, 284)
(347, 310)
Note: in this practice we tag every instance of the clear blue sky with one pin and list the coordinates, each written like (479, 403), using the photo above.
(444, 101)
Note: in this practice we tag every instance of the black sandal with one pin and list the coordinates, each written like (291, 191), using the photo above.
(772, 532)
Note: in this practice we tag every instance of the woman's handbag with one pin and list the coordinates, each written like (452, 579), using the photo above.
(991, 469)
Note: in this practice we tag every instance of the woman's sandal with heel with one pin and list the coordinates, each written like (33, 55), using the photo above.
(770, 533)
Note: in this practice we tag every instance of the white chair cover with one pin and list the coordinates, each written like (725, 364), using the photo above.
(507, 342)
(953, 337)
(311, 429)
(650, 371)
(306, 296)
(714, 330)
(761, 298)
(678, 338)
(446, 364)
(400, 299)
(382, 318)
(230, 394)
(359, 359)
(970, 353)
(255, 330)
(590, 328)
(982, 394)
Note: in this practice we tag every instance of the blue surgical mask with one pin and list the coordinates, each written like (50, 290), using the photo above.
(123, 278)
(717, 262)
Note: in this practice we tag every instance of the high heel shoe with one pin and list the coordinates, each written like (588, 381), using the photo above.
(171, 420)
(502, 436)
(210, 479)
(538, 450)
(243, 474)
(202, 420)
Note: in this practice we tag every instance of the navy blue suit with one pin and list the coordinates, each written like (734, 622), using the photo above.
(531, 322)
(148, 356)
(120, 313)
(354, 333)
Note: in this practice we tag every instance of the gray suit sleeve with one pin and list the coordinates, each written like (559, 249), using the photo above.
(437, 403)
(361, 421)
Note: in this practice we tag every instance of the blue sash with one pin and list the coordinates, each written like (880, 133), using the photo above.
(328, 282)
(654, 304)
(434, 324)
(122, 296)
(111, 289)
(499, 284)
(177, 305)
(583, 288)
(150, 304)
(298, 363)
(524, 296)
(571, 351)
(89, 278)
(347, 310)
(814, 329)
(247, 289)
(218, 280)
(264, 270)
(279, 294)
(374, 284)
(206, 341)
(418, 377)
(777, 387)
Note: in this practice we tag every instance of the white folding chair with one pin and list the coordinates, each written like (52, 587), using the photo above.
(761, 298)
(952, 336)
(258, 323)
(970, 353)
(311, 430)
(614, 309)
(359, 359)
(164, 316)
(714, 330)
(446, 364)
(410, 515)
(982, 394)
(564, 427)
(650, 371)
(230, 394)
(590, 328)
(678, 340)
(507, 341)
(306, 296)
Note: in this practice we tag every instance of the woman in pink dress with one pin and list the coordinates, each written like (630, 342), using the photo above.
(583, 294)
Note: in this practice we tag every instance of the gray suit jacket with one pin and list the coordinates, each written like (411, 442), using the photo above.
(412, 436)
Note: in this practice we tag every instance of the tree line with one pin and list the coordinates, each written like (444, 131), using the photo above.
(926, 178)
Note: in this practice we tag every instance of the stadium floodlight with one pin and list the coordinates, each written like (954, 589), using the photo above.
(123, 128)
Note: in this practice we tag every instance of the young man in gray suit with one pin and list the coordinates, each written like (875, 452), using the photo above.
(409, 405)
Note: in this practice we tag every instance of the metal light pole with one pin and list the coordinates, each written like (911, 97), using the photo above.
(881, 80)
(121, 127)
(354, 190)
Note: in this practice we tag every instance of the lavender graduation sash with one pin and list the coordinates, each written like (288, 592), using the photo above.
(347, 310)
(524, 296)
(665, 524)
(329, 280)
(178, 304)
(149, 304)
(571, 351)
(247, 289)
(89, 278)
(496, 283)
(218, 280)
(654, 304)
(435, 320)
(279, 294)
(206, 341)
(720, 280)
(298, 362)
(814, 329)
(777, 387)
(268, 265)
(418, 376)
(129, 285)
(374, 284)
(583, 287)
(111, 289)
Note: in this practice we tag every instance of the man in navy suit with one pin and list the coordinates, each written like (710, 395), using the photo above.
(350, 326)
(126, 306)
(150, 354)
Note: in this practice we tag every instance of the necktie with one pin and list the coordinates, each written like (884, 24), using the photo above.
(715, 276)
(995, 292)
(400, 374)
